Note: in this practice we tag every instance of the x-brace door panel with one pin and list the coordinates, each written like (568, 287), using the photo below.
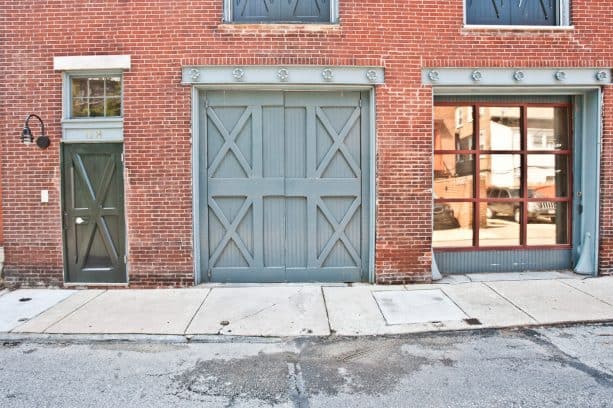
(284, 186)
(94, 226)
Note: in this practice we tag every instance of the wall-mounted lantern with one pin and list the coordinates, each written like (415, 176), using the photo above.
(27, 137)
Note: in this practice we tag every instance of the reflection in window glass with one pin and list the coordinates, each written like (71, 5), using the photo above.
(547, 223)
(500, 128)
(548, 175)
(452, 225)
(453, 128)
(95, 97)
(500, 175)
(548, 128)
(453, 175)
(501, 226)
(521, 154)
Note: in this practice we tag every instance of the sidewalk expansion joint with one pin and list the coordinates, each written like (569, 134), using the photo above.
(197, 311)
(587, 293)
(510, 302)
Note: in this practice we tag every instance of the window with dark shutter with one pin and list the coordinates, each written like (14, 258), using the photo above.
(517, 12)
(281, 11)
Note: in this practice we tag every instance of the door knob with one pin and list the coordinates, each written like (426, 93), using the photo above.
(80, 221)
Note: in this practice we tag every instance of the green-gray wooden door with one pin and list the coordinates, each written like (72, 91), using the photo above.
(284, 193)
(93, 209)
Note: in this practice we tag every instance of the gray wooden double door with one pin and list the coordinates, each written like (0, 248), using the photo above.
(284, 186)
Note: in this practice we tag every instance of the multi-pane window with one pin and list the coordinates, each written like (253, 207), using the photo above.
(95, 96)
(517, 12)
(279, 11)
(504, 178)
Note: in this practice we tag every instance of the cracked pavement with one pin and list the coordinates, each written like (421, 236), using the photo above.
(544, 367)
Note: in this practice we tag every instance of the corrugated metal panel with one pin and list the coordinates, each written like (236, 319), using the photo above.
(503, 261)
(504, 98)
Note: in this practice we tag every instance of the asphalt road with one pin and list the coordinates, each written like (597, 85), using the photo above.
(552, 367)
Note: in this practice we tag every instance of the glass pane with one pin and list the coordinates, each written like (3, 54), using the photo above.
(78, 87)
(547, 223)
(548, 175)
(96, 87)
(113, 107)
(452, 225)
(548, 128)
(499, 128)
(499, 224)
(453, 175)
(453, 128)
(79, 108)
(500, 175)
(96, 107)
(113, 86)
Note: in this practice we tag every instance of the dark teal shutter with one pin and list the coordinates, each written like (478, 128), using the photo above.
(256, 10)
(492, 12)
(512, 12)
(534, 12)
(295, 11)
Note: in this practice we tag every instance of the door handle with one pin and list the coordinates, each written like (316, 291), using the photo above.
(80, 221)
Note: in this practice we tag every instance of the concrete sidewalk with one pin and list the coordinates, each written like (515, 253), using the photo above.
(459, 302)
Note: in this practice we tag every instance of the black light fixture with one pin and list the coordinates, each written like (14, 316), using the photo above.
(27, 137)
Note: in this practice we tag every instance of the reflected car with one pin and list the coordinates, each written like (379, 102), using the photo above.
(545, 211)
(444, 218)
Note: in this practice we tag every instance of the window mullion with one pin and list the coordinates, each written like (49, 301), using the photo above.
(523, 239)
(477, 176)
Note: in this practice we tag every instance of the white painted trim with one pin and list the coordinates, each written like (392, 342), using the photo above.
(199, 276)
(92, 62)
(282, 75)
(372, 217)
(508, 90)
(195, 139)
(596, 203)
(482, 27)
(516, 77)
(228, 12)
(563, 22)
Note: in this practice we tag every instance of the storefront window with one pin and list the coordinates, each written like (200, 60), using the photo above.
(507, 183)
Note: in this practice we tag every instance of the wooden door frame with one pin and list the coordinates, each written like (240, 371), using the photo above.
(126, 281)
(197, 132)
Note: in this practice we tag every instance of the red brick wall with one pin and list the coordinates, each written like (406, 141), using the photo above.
(162, 36)
(606, 190)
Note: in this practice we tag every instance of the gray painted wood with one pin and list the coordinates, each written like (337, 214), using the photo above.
(307, 11)
(93, 213)
(512, 12)
(285, 188)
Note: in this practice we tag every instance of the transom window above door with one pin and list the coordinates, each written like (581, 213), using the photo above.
(95, 96)
(281, 11)
(502, 175)
(517, 12)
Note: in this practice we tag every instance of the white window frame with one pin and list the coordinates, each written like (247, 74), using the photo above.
(334, 14)
(563, 22)
(67, 94)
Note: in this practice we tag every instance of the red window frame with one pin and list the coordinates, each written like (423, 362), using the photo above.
(476, 152)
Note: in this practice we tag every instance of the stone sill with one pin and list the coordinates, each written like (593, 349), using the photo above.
(274, 28)
(478, 27)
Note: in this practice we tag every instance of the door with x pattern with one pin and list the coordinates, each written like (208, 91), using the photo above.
(93, 213)
(286, 192)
